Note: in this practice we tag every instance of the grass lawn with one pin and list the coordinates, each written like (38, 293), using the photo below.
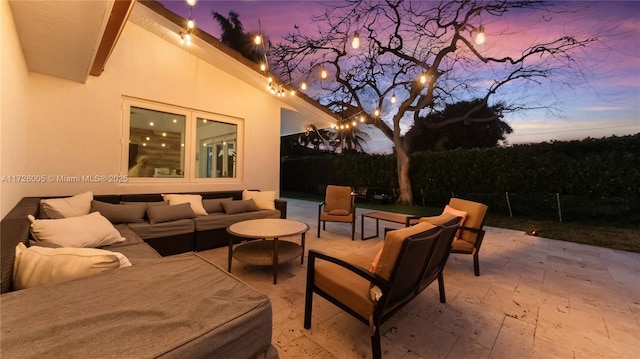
(602, 235)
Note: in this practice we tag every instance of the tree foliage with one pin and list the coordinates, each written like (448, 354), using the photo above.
(423, 54)
(425, 135)
(234, 36)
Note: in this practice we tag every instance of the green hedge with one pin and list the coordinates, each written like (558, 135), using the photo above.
(595, 178)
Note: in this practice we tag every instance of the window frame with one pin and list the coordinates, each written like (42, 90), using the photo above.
(190, 142)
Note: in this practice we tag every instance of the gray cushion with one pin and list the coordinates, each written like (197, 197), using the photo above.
(164, 229)
(231, 207)
(159, 214)
(214, 205)
(120, 213)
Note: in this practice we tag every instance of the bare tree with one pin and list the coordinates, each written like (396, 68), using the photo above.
(422, 54)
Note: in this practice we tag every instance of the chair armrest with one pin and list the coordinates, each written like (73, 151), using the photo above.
(411, 219)
(281, 205)
(364, 273)
(470, 229)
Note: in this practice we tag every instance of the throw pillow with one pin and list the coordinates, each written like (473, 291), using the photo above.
(120, 213)
(195, 200)
(457, 213)
(263, 199)
(36, 266)
(214, 205)
(91, 230)
(159, 214)
(231, 207)
(74, 206)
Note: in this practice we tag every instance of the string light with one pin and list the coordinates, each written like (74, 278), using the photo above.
(355, 42)
(185, 37)
(480, 38)
(323, 73)
(303, 86)
(376, 112)
(257, 40)
(393, 98)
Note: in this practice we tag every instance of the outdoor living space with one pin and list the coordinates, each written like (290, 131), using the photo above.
(535, 298)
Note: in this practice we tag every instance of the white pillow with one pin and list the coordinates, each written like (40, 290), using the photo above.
(36, 266)
(78, 205)
(195, 200)
(263, 199)
(91, 230)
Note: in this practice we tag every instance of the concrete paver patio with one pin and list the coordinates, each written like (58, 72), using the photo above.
(534, 298)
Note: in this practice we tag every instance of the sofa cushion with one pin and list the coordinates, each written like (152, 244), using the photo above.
(215, 204)
(91, 230)
(77, 205)
(232, 207)
(120, 213)
(263, 199)
(195, 200)
(36, 266)
(159, 214)
(163, 229)
(221, 220)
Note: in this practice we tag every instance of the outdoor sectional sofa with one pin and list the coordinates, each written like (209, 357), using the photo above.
(176, 306)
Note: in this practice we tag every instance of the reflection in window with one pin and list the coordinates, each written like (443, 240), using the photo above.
(156, 141)
(216, 151)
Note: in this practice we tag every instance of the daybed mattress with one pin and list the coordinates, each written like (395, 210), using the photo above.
(178, 307)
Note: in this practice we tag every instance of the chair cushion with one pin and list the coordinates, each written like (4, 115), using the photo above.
(337, 197)
(345, 286)
(392, 245)
(462, 246)
(475, 216)
(333, 218)
(438, 220)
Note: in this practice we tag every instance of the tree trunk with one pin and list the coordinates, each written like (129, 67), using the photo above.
(402, 159)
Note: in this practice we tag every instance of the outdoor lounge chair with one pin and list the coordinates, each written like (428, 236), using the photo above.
(471, 232)
(374, 295)
(338, 206)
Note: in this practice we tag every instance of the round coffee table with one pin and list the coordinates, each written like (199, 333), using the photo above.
(267, 252)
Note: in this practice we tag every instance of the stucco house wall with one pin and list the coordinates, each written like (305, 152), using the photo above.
(57, 127)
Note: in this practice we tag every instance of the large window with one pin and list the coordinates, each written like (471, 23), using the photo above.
(170, 143)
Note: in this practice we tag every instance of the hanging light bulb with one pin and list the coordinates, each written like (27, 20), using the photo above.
(423, 78)
(355, 42)
(263, 67)
(187, 39)
(393, 98)
(323, 73)
(376, 112)
(354, 123)
(191, 24)
(270, 79)
(293, 92)
(303, 86)
(258, 39)
(361, 118)
(480, 37)
(191, 2)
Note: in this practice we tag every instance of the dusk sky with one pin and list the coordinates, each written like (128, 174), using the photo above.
(608, 103)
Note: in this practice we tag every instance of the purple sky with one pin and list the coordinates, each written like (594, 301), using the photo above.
(608, 104)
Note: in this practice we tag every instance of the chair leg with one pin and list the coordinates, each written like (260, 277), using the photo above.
(443, 298)
(319, 228)
(376, 349)
(353, 229)
(476, 264)
(308, 299)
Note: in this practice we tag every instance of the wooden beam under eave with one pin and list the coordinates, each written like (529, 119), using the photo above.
(118, 18)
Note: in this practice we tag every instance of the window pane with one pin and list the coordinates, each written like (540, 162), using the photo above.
(156, 143)
(216, 151)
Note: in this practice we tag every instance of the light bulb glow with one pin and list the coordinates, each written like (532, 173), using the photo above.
(423, 79)
(293, 92)
(191, 24)
(361, 118)
(303, 86)
(393, 98)
(480, 38)
(355, 42)
(376, 112)
(323, 73)
(270, 79)
(263, 67)
(354, 123)
(257, 40)
(191, 2)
